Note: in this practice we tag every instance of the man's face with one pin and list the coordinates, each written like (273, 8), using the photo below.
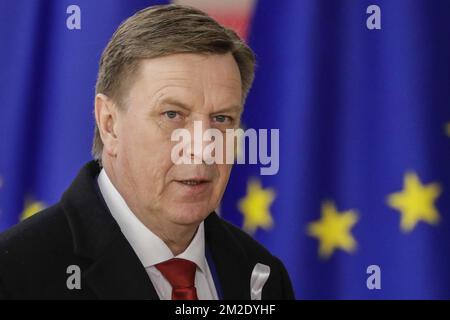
(170, 93)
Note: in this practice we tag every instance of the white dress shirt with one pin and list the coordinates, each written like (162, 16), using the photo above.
(151, 250)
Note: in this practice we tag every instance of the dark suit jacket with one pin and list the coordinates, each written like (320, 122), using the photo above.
(79, 230)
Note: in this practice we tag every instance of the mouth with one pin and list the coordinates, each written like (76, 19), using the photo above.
(192, 182)
(194, 186)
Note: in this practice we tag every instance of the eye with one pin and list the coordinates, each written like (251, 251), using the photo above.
(223, 119)
(171, 114)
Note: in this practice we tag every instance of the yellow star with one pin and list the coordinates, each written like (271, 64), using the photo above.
(31, 208)
(255, 207)
(333, 230)
(447, 129)
(415, 202)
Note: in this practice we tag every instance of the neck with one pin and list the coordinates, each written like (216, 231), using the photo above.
(176, 237)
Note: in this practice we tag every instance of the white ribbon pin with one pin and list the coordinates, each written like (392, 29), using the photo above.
(260, 274)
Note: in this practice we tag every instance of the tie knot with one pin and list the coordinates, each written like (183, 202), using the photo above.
(179, 272)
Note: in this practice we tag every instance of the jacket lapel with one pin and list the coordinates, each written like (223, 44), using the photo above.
(118, 274)
(230, 261)
(115, 272)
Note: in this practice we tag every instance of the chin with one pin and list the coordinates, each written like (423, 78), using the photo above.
(188, 214)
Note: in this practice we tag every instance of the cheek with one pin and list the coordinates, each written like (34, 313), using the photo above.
(150, 170)
(144, 151)
(224, 174)
(141, 140)
(151, 157)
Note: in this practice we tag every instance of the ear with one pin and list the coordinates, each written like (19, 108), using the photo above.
(106, 119)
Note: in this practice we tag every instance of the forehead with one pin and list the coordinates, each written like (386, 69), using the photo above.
(190, 74)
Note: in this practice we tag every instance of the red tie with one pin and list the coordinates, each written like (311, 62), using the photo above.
(181, 274)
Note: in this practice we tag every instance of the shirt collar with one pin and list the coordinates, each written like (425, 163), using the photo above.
(149, 248)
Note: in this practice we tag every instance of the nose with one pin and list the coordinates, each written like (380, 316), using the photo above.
(199, 130)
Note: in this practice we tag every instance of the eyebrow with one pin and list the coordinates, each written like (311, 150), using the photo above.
(176, 103)
(182, 105)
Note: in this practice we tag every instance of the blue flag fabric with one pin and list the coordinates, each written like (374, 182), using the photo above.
(360, 205)
(47, 86)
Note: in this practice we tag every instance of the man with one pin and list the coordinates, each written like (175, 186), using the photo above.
(134, 224)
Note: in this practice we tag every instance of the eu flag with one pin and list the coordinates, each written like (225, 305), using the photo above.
(48, 65)
(361, 96)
